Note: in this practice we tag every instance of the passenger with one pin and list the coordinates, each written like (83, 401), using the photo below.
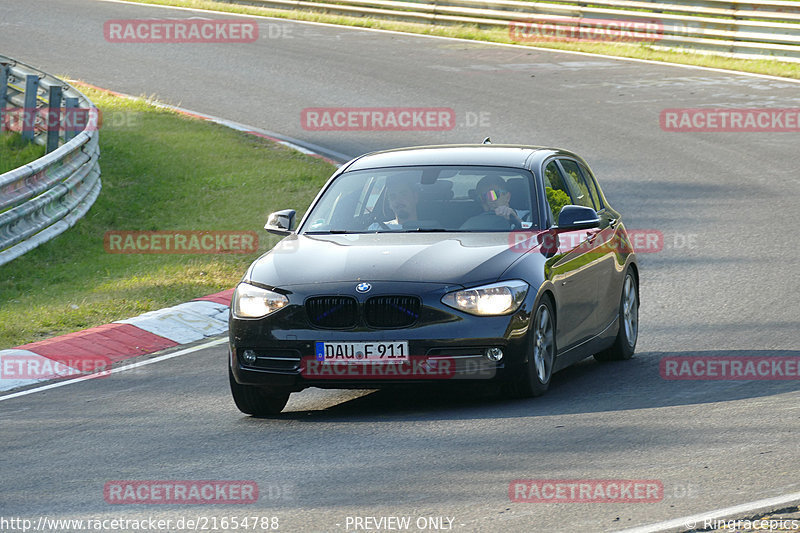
(494, 197)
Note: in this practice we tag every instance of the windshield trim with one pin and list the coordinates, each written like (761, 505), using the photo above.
(527, 174)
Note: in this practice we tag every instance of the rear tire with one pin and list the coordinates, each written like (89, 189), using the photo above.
(625, 343)
(538, 370)
(256, 401)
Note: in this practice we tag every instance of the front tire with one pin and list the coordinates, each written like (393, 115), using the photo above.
(625, 343)
(256, 401)
(535, 378)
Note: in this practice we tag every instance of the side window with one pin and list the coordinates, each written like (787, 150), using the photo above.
(590, 182)
(557, 194)
(370, 195)
(581, 191)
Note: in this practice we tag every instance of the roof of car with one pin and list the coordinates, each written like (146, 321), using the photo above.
(507, 155)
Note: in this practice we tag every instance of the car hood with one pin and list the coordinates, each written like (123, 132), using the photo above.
(452, 258)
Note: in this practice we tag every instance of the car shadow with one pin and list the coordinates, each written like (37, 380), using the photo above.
(586, 387)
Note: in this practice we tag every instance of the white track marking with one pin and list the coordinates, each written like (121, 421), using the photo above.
(183, 323)
(57, 368)
(688, 523)
(146, 362)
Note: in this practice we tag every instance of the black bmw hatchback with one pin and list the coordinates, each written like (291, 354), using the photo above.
(440, 263)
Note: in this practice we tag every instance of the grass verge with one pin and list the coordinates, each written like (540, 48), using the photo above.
(16, 151)
(637, 51)
(160, 171)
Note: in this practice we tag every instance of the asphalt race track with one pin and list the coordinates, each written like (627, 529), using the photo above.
(724, 284)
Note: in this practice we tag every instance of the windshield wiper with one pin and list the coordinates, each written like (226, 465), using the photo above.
(331, 231)
(425, 230)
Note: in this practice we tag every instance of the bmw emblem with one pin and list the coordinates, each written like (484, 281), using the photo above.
(363, 287)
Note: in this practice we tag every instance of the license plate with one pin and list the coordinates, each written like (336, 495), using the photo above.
(362, 352)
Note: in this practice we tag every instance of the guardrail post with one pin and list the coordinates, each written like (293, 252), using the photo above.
(46, 197)
(3, 94)
(70, 103)
(29, 110)
(53, 117)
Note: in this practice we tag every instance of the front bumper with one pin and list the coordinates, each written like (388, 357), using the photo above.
(445, 345)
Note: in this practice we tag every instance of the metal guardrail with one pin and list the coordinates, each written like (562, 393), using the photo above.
(44, 198)
(752, 29)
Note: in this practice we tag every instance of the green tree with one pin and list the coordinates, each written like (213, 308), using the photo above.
(557, 199)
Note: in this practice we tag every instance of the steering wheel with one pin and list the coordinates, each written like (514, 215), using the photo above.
(373, 218)
(513, 222)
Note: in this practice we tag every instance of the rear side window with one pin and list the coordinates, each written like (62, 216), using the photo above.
(580, 190)
(592, 184)
(555, 189)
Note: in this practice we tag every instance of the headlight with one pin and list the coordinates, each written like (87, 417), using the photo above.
(496, 299)
(254, 302)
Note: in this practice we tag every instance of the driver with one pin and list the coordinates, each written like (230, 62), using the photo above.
(403, 195)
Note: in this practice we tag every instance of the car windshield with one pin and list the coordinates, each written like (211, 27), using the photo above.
(426, 199)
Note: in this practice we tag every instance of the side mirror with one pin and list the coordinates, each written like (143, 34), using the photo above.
(281, 222)
(577, 217)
